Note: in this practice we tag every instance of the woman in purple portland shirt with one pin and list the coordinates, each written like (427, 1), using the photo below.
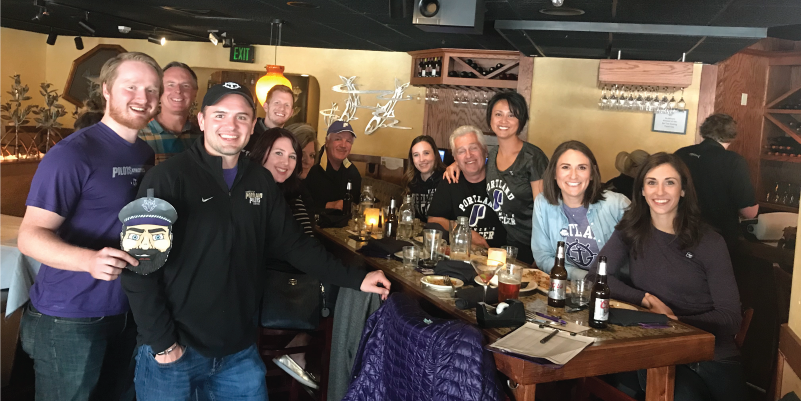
(681, 268)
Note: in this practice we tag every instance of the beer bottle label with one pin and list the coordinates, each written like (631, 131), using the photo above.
(601, 309)
(557, 291)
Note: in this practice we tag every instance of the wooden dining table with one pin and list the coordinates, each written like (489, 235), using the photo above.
(616, 348)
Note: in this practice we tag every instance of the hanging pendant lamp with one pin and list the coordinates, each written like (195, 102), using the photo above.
(275, 73)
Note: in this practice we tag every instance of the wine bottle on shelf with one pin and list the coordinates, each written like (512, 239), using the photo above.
(599, 298)
(423, 68)
(556, 295)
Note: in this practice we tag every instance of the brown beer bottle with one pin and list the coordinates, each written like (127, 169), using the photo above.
(599, 298)
(556, 295)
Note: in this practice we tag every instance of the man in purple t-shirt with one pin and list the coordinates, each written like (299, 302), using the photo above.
(78, 327)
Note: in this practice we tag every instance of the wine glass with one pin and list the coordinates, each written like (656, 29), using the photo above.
(485, 270)
(681, 102)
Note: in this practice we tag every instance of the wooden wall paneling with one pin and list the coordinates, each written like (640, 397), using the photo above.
(706, 96)
(743, 73)
(525, 81)
(16, 180)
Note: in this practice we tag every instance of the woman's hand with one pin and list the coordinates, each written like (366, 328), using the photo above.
(372, 281)
(452, 173)
(656, 305)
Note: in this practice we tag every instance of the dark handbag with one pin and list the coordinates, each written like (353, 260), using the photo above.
(293, 301)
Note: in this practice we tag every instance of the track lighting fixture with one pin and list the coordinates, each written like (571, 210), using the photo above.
(84, 23)
(215, 37)
(41, 14)
(159, 41)
(78, 43)
(228, 42)
(51, 39)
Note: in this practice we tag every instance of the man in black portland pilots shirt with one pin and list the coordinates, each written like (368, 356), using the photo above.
(468, 197)
(721, 177)
(197, 315)
(327, 185)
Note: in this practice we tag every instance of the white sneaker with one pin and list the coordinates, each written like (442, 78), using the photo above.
(293, 369)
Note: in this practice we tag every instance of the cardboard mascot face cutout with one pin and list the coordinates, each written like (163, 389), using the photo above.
(147, 232)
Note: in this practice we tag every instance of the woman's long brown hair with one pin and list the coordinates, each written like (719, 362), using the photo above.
(635, 226)
(411, 170)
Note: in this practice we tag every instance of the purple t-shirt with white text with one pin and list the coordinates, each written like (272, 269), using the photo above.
(87, 178)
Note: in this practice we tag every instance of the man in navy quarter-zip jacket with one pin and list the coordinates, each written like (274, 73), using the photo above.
(197, 314)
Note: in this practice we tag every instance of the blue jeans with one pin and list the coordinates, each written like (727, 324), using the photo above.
(238, 376)
(80, 358)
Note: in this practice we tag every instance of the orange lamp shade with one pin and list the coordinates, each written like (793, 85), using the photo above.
(274, 76)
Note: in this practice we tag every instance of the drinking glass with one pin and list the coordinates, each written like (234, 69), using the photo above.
(431, 244)
(509, 278)
(411, 255)
(578, 293)
(485, 271)
(511, 253)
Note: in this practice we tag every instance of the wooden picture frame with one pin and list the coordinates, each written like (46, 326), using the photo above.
(85, 68)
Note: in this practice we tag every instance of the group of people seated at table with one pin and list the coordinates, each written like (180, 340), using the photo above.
(666, 253)
(665, 247)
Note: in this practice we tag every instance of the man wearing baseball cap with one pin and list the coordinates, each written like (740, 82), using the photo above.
(196, 314)
(328, 185)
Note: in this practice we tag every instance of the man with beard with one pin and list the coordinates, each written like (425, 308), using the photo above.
(196, 314)
(278, 109)
(78, 328)
(328, 185)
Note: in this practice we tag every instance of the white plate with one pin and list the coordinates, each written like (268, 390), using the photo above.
(435, 283)
(526, 286)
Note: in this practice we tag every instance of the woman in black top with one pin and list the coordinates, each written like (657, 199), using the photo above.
(679, 267)
(279, 152)
(423, 173)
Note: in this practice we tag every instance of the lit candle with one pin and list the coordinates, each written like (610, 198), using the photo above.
(497, 255)
(371, 216)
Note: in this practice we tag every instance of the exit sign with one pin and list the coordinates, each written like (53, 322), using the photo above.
(243, 54)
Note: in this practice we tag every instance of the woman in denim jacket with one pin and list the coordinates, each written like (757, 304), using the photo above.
(573, 208)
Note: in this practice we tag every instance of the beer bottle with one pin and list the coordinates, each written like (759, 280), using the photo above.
(599, 298)
(556, 295)
(391, 221)
(347, 201)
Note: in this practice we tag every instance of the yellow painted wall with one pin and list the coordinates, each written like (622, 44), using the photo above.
(564, 106)
(25, 51)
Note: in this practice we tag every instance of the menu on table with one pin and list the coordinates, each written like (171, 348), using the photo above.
(525, 343)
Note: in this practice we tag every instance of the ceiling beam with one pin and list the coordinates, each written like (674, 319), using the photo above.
(648, 29)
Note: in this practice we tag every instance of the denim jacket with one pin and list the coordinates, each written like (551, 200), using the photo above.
(549, 220)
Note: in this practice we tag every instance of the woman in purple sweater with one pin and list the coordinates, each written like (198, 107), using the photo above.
(681, 268)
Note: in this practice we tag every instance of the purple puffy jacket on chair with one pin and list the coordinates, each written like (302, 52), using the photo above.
(407, 355)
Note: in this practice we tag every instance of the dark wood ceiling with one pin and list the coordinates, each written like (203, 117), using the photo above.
(367, 25)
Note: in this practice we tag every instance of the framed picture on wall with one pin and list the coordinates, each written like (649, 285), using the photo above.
(670, 122)
(85, 70)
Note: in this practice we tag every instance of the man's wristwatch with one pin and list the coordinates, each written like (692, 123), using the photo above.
(168, 350)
